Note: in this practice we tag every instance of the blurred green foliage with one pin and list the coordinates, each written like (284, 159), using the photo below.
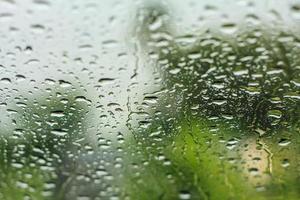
(37, 154)
(228, 126)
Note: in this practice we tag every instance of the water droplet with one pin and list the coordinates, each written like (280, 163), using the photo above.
(59, 132)
(284, 142)
(57, 113)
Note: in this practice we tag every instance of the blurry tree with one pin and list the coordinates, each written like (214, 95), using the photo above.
(228, 125)
(39, 156)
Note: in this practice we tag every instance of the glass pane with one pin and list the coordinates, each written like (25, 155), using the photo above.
(149, 99)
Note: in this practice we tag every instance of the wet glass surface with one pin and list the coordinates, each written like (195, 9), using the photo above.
(149, 99)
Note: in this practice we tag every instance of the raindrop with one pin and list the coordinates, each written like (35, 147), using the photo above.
(64, 83)
(59, 132)
(296, 11)
(105, 81)
(57, 113)
(184, 195)
(5, 80)
(229, 28)
(284, 142)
